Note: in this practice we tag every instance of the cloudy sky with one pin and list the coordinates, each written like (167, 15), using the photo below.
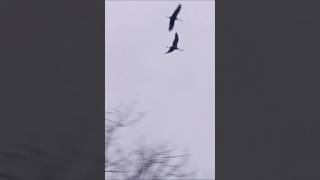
(176, 89)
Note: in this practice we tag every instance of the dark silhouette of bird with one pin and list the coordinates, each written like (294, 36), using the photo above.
(174, 44)
(173, 17)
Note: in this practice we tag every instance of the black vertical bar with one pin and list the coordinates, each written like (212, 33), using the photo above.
(267, 90)
(52, 89)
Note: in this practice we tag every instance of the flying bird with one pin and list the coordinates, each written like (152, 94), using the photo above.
(173, 17)
(174, 44)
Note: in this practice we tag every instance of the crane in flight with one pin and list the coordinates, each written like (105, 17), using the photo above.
(174, 44)
(173, 17)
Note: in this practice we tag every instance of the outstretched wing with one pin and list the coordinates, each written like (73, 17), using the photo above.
(176, 12)
(175, 41)
(174, 17)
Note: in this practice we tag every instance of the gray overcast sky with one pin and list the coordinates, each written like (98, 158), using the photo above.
(178, 88)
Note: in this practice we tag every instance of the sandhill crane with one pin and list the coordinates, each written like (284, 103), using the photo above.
(173, 17)
(174, 44)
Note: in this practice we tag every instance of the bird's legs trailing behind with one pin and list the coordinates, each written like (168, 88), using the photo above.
(175, 49)
(176, 18)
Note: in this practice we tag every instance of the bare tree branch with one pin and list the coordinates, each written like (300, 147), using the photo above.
(146, 162)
